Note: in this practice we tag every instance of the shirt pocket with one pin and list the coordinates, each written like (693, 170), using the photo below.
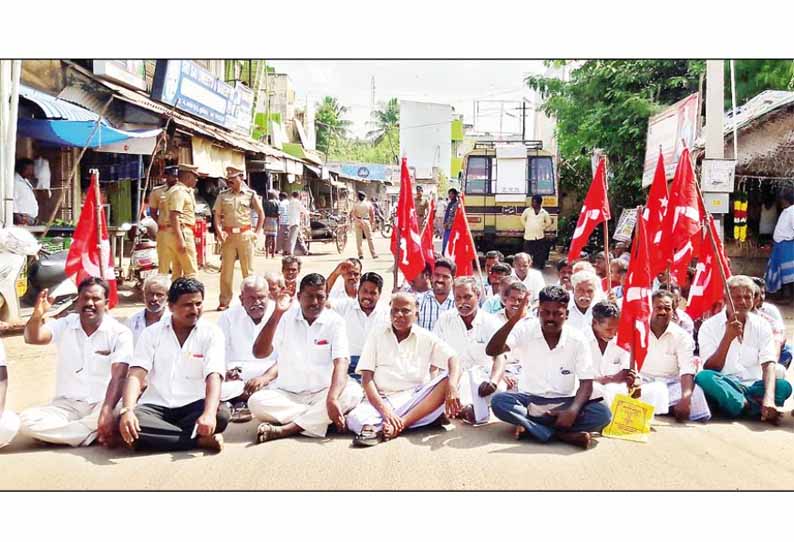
(748, 355)
(192, 367)
(98, 366)
(562, 376)
(320, 354)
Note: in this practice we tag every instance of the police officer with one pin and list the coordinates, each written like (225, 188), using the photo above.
(232, 214)
(159, 213)
(421, 204)
(181, 205)
(363, 215)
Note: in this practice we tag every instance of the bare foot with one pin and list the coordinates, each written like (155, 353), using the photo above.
(388, 432)
(581, 439)
(467, 414)
(212, 442)
(519, 431)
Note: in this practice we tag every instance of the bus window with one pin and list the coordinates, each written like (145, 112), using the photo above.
(541, 175)
(477, 175)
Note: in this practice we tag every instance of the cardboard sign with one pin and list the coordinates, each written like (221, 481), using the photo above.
(625, 227)
(631, 419)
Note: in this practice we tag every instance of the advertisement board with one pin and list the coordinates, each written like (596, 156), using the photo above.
(192, 89)
(670, 130)
(130, 73)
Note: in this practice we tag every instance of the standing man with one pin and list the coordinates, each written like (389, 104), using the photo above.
(779, 272)
(159, 212)
(180, 363)
(362, 215)
(232, 213)
(536, 221)
(532, 278)
(440, 299)
(181, 205)
(739, 352)
(449, 217)
(282, 241)
(295, 213)
(422, 206)
(155, 297)
(311, 388)
(93, 355)
(271, 223)
(26, 207)
(556, 379)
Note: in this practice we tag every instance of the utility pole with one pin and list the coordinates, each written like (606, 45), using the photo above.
(523, 120)
(715, 104)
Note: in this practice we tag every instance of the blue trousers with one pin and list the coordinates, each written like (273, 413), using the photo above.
(731, 395)
(444, 241)
(511, 407)
(351, 369)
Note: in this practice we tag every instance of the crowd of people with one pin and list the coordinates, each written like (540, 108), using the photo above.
(305, 355)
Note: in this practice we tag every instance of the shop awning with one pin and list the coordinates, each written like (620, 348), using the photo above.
(75, 133)
(56, 108)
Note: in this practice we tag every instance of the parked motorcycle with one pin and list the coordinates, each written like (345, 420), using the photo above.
(143, 257)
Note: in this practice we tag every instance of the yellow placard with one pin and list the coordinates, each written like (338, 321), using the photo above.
(631, 419)
(21, 283)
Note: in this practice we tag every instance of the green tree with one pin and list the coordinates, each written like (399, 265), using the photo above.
(755, 76)
(329, 123)
(386, 121)
(357, 150)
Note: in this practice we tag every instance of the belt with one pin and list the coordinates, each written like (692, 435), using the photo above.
(240, 229)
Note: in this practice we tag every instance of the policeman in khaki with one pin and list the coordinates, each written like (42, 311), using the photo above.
(159, 211)
(232, 219)
(181, 206)
(363, 216)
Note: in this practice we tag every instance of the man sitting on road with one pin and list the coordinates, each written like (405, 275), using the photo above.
(494, 303)
(740, 359)
(556, 379)
(181, 358)
(438, 300)
(350, 271)
(516, 303)
(409, 376)
(464, 329)
(772, 315)
(421, 282)
(610, 362)
(155, 295)
(93, 355)
(312, 389)
(586, 292)
(564, 272)
(241, 325)
(495, 275)
(275, 284)
(9, 422)
(291, 268)
(492, 257)
(532, 278)
(361, 315)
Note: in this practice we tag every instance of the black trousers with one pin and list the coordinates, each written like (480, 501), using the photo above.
(169, 429)
(536, 249)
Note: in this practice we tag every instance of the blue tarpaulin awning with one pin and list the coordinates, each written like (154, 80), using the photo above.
(70, 133)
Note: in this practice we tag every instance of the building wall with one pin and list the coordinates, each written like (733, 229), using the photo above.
(425, 130)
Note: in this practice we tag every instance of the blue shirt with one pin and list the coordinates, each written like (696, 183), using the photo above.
(430, 309)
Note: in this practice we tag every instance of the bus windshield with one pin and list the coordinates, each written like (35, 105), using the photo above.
(481, 172)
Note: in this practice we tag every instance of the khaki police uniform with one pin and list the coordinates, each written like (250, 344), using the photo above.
(180, 198)
(361, 209)
(235, 210)
(157, 201)
(422, 205)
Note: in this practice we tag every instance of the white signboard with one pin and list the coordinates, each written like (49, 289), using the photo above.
(716, 203)
(670, 130)
(511, 173)
(718, 175)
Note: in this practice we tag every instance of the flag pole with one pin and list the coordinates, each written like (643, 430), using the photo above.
(94, 173)
(462, 207)
(606, 232)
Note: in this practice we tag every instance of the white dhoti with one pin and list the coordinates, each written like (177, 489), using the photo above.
(401, 403)
(231, 389)
(9, 426)
(660, 394)
(609, 391)
(469, 385)
(306, 409)
(63, 421)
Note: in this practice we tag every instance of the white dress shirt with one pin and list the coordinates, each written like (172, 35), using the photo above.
(358, 323)
(551, 373)
(240, 332)
(24, 198)
(306, 352)
(534, 282)
(575, 317)
(83, 370)
(609, 362)
(468, 344)
(338, 292)
(178, 374)
(744, 359)
(137, 322)
(784, 230)
(405, 365)
(670, 356)
(294, 210)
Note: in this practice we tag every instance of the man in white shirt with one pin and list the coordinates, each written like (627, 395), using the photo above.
(275, 284)
(311, 389)
(536, 220)
(291, 268)
(9, 422)
(409, 375)
(556, 379)
(295, 211)
(347, 288)
(564, 273)
(464, 329)
(772, 315)
(241, 325)
(739, 353)
(586, 292)
(155, 297)
(26, 207)
(668, 372)
(532, 278)
(611, 364)
(93, 355)
(181, 361)
(780, 267)
(516, 304)
(784, 229)
(361, 315)
(438, 300)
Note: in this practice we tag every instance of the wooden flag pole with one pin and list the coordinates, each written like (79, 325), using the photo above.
(94, 173)
(606, 231)
(462, 207)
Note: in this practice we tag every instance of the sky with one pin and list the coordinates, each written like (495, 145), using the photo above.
(456, 82)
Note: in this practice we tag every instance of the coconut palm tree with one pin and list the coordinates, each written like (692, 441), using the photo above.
(386, 121)
(329, 122)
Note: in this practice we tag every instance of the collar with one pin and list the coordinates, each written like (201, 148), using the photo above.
(390, 331)
(322, 319)
(74, 322)
(478, 317)
(19, 177)
(430, 294)
(537, 333)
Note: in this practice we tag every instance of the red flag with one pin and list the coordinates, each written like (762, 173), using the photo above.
(635, 316)
(682, 220)
(594, 211)
(707, 287)
(654, 214)
(83, 258)
(411, 258)
(427, 235)
(460, 246)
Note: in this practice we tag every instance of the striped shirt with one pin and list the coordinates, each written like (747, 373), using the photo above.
(283, 212)
(430, 309)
